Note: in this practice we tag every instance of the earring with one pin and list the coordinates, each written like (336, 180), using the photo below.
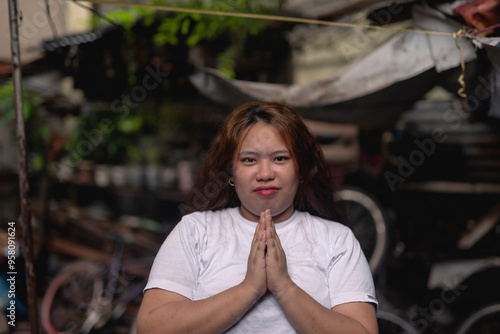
(231, 183)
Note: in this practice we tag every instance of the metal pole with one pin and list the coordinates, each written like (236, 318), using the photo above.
(23, 170)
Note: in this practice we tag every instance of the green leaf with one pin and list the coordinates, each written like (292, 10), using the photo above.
(27, 106)
(226, 63)
(9, 115)
(130, 125)
(185, 24)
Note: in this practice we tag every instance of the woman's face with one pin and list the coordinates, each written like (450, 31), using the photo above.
(264, 174)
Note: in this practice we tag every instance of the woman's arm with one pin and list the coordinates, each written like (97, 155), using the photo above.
(164, 311)
(308, 316)
(304, 313)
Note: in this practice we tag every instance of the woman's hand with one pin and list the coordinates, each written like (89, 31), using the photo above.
(267, 269)
(255, 278)
(278, 280)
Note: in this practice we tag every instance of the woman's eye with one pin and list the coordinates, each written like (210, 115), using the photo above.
(248, 160)
(281, 159)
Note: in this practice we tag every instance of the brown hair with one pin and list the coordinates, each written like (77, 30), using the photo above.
(315, 193)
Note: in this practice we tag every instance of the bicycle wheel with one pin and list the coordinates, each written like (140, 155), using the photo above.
(71, 298)
(367, 222)
(485, 320)
(390, 323)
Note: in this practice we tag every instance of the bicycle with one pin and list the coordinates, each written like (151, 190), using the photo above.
(370, 226)
(368, 222)
(86, 296)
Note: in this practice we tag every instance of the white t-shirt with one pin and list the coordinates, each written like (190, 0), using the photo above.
(207, 253)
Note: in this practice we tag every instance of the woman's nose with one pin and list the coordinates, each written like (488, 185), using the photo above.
(265, 171)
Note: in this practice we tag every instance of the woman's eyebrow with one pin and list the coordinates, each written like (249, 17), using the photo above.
(281, 152)
(278, 152)
(248, 153)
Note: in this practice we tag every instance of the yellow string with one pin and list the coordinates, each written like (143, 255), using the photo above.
(461, 90)
(262, 17)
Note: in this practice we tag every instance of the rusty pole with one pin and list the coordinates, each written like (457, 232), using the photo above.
(23, 170)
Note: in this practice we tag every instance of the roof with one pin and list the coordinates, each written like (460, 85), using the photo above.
(77, 39)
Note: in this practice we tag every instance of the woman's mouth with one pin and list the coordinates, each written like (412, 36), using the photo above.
(266, 191)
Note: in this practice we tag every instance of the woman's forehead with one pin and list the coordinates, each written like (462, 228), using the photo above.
(245, 140)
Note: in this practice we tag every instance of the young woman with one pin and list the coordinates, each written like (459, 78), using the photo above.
(260, 248)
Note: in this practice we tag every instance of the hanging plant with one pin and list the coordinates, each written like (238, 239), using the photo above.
(194, 28)
(37, 132)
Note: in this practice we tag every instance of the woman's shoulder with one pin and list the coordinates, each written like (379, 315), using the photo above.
(324, 229)
(202, 224)
(206, 217)
(326, 223)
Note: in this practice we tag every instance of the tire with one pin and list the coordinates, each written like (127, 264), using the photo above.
(390, 323)
(485, 320)
(368, 223)
(71, 299)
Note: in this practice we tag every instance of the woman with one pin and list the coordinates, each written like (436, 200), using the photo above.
(260, 248)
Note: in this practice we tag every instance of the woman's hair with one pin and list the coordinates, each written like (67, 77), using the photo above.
(315, 193)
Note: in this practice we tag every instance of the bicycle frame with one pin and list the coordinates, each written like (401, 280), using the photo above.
(107, 300)
(107, 303)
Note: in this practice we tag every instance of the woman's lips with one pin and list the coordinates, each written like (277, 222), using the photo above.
(266, 191)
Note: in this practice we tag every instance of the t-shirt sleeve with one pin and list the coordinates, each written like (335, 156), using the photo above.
(176, 265)
(350, 278)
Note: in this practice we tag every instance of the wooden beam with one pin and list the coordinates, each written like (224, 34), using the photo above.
(23, 170)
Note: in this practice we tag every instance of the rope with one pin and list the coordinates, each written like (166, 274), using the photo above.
(461, 90)
(262, 17)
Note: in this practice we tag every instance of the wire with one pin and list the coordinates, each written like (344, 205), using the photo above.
(49, 18)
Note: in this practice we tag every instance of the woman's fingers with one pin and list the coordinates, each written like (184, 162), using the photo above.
(276, 267)
(272, 237)
(256, 267)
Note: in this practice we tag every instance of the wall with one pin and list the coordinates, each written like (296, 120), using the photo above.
(34, 27)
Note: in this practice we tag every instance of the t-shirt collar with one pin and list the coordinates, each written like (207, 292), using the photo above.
(235, 212)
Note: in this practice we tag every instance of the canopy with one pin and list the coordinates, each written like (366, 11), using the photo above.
(372, 90)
